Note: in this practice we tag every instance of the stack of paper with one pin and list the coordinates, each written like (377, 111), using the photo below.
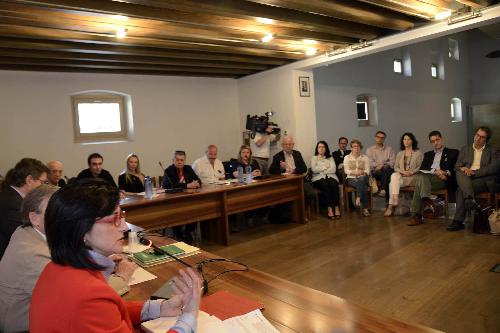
(148, 258)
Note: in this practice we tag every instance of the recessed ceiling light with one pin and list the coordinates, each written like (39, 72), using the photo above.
(264, 20)
(309, 41)
(121, 32)
(267, 38)
(442, 15)
(311, 51)
(119, 17)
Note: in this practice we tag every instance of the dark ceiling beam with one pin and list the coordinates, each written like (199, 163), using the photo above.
(89, 48)
(108, 39)
(229, 8)
(108, 65)
(117, 59)
(174, 22)
(348, 10)
(109, 71)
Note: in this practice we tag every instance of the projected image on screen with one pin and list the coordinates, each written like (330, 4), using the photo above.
(362, 110)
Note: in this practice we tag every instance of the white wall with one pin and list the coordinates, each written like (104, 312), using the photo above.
(169, 113)
(417, 104)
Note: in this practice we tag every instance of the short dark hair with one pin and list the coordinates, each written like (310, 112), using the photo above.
(71, 213)
(485, 129)
(414, 142)
(433, 133)
(327, 150)
(94, 155)
(381, 132)
(25, 167)
(343, 138)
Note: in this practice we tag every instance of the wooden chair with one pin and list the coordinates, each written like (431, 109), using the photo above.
(489, 197)
(153, 181)
(346, 189)
(441, 193)
(160, 181)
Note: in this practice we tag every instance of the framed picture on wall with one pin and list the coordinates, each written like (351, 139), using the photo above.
(304, 87)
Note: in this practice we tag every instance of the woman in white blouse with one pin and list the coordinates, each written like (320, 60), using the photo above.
(407, 164)
(324, 178)
(357, 169)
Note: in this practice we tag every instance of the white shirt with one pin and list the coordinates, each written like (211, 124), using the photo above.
(322, 168)
(264, 151)
(207, 173)
(476, 163)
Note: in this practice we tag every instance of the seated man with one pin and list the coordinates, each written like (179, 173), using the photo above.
(436, 173)
(26, 257)
(339, 155)
(27, 175)
(180, 175)
(382, 160)
(55, 175)
(290, 161)
(95, 169)
(476, 169)
(209, 168)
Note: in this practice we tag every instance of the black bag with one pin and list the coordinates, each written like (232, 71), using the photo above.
(481, 224)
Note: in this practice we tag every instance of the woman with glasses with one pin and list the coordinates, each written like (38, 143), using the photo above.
(324, 178)
(84, 226)
(357, 170)
(131, 180)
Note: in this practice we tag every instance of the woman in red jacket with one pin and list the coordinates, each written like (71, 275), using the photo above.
(83, 225)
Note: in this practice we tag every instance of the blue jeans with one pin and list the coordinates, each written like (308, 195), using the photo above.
(361, 186)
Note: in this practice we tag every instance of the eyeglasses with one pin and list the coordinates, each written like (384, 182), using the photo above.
(43, 181)
(481, 136)
(115, 218)
(380, 136)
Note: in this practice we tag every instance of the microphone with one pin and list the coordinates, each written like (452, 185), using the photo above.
(158, 250)
(161, 166)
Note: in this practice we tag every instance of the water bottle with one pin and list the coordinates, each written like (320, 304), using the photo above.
(240, 174)
(148, 188)
(248, 172)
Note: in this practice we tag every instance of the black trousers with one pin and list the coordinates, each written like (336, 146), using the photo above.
(384, 176)
(330, 188)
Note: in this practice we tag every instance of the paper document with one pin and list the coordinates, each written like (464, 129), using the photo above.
(251, 322)
(425, 171)
(140, 275)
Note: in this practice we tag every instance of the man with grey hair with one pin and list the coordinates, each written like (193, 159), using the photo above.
(209, 168)
(55, 175)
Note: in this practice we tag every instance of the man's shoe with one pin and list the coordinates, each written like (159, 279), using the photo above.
(455, 226)
(415, 220)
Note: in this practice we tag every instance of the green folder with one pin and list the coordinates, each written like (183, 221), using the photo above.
(149, 256)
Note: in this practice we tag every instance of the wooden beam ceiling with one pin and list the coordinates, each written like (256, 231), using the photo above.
(195, 37)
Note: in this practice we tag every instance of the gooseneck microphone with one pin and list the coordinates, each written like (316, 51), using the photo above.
(158, 250)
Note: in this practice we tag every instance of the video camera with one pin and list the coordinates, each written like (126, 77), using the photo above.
(259, 124)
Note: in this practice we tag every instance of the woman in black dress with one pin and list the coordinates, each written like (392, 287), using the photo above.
(131, 180)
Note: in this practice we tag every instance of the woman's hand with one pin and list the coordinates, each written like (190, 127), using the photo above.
(124, 268)
(256, 173)
(187, 288)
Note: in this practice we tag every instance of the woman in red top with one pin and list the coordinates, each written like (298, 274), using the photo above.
(83, 227)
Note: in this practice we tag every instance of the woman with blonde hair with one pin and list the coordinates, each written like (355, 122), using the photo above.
(131, 180)
(357, 170)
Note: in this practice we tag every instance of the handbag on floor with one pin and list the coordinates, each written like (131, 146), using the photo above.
(481, 224)
(494, 220)
(373, 184)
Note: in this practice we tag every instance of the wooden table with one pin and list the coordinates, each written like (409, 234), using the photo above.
(215, 203)
(288, 306)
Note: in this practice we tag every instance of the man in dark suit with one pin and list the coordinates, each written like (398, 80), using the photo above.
(477, 169)
(95, 169)
(181, 175)
(436, 173)
(289, 161)
(339, 155)
(27, 175)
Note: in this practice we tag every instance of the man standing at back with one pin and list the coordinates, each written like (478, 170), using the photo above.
(27, 175)
(382, 159)
(209, 168)
(261, 148)
(55, 175)
(477, 169)
(436, 173)
(95, 169)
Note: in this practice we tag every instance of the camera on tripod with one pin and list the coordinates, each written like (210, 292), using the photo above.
(259, 124)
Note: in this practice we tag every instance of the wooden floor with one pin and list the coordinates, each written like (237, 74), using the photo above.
(421, 274)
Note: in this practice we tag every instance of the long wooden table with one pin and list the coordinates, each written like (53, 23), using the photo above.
(288, 306)
(215, 203)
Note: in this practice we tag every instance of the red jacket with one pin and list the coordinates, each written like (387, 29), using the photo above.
(70, 300)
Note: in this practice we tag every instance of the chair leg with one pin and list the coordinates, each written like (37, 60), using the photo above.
(346, 202)
(446, 214)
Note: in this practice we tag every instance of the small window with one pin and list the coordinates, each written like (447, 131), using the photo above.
(434, 71)
(362, 110)
(366, 110)
(456, 110)
(453, 52)
(100, 117)
(398, 66)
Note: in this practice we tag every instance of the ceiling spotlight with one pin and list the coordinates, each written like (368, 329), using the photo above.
(309, 41)
(267, 38)
(311, 51)
(121, 32)
(264, 20)
(442, 15)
